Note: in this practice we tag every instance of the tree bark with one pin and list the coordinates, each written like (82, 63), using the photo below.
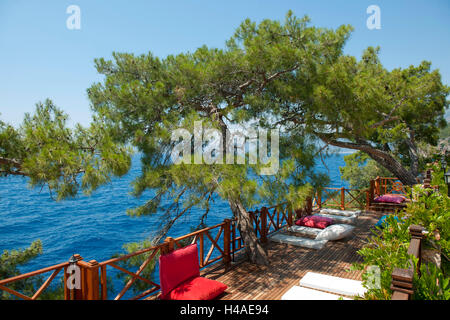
(406, 176)
(255, 252)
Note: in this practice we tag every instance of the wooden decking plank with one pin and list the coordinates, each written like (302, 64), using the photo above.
(289, 264)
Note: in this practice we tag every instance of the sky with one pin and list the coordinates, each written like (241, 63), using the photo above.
(40, 57)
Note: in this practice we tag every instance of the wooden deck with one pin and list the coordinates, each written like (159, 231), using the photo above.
(288, 264)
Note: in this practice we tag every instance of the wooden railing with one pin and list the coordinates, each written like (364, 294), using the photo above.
(269, 220)
(402, 279)
(56, 269)
(341, 198)
(387, 185)
(216, 243)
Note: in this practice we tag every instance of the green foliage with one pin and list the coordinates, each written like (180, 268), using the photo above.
(432, 211)
(143, 99)
(359, 170)
(387, 248)
(361, 105)
(135, 262)
(66, 160)
(445, 132)
(9, 263)
(437, 177)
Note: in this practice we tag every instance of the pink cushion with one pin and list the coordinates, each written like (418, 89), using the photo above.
(197, 288)
(177, 267)
(390, 198)
(314, 222)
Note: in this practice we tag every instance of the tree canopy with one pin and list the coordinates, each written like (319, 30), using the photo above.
(143, 99)
(51, 154)
(288, 76)
(274, 75)
(360, 105)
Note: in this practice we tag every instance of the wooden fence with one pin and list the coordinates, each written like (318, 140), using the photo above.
(88, 280)
(340, 198)
(387, 185)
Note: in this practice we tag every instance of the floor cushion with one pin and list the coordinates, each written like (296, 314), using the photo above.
(338, 219)
(197, 288)
(314, 222)
(345, 213)
(178, 266)
(335, 232)
(390, 198)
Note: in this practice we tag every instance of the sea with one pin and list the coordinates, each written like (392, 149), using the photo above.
(96, 226)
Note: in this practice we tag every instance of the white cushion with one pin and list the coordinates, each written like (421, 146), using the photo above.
(300, 293)
(338, 219)
(298, 241)
(345, 213)
(335, 232)
(313, 232)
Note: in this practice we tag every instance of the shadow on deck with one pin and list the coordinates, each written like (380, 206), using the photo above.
(288, 264)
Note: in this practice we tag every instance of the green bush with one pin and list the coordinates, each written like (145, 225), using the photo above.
(387, 247)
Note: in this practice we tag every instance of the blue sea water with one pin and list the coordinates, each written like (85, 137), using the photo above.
(96, 226)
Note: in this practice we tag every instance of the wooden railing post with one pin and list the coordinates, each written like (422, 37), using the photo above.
(415, 247)
(233, 237)
(377, 186)
(426, 183)
(263, 220)
(103, 283)
(342, 198)
(428, 174)
(227, 241)
(371, 193)
(90, 284)
(290, 220)
(169, 244)
(367, 200)
(402, 284)
(92, 280)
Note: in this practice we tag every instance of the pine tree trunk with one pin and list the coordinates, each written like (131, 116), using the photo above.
(255, 252)
(405, 176)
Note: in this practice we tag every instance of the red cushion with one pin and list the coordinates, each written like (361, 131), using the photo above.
(197, 288)
(390, 198)
(314, 222)
(177, 267)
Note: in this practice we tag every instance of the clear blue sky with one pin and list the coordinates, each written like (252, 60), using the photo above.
(40, 57)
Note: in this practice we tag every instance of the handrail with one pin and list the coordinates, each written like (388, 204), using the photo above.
(56, 269)
(402, 279)
(388, 185)
(345, 198)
